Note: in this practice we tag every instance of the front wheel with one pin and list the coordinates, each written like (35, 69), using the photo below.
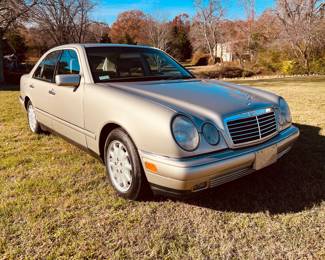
(123, 166)
(32, 120)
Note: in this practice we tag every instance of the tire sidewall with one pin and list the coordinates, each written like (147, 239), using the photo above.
(136, 173)
(37, 129)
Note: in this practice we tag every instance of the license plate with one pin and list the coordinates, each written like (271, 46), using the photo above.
(265, 157)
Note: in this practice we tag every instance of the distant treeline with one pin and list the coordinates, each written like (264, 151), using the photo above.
(289, 39)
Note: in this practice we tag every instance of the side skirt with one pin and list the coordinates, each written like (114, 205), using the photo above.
(81, 147)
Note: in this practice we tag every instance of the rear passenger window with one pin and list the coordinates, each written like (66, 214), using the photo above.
(68, 63)
(45, 70)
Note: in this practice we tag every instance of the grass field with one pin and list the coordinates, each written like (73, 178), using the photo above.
(55, 201)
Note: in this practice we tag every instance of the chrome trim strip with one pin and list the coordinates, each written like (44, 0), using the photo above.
(230, 176)
(241, 126)
(270, 116)
(248, 121)
(268, 123)
(240, 131)
(270, 130)
(259, 127)
(235, 135)
(72, 126)
(248, 137)
(252, 113)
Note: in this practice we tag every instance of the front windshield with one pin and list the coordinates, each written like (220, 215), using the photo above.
(132, 64)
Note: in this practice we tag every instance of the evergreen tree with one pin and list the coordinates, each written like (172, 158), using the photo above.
(179, 44)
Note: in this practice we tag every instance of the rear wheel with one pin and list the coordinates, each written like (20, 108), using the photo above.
(123, 166)
(32, 119)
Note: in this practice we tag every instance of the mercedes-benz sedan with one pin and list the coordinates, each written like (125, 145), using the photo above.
(151, 122)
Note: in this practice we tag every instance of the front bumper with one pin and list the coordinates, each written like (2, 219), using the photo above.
(178, 176)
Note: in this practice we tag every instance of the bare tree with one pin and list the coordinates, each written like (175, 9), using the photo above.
(98, 32)
(158, 33)
(11, 12)
(303, 27)
(65, 21)
(207, 25)
(249, 7)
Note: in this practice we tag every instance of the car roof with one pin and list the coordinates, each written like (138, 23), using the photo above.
(90, 45)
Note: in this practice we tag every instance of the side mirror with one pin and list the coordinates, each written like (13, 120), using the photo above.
(68, 80)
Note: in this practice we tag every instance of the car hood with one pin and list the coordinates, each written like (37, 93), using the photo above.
(205, 99)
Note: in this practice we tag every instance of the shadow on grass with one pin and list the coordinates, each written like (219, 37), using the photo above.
(294, 183)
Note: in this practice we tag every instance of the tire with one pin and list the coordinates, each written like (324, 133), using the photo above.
(123, 166)
(34, 125)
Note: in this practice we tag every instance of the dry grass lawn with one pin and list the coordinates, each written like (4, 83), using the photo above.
(55, 201)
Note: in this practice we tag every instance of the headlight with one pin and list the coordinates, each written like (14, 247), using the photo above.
(211, 134)
(285, 114)
(185, 133)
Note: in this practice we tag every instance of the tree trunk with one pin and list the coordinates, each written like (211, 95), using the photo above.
(1, 60)
(307, 64)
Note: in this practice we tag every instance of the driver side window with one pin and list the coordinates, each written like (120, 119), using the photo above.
(45, 70)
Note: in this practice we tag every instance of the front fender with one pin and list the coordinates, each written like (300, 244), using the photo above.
(147, 122)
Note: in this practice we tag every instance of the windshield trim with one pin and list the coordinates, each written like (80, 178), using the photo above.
(146, 78)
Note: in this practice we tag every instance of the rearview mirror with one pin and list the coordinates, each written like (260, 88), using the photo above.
(69, 80)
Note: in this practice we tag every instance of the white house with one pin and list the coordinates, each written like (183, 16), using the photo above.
(224, 51)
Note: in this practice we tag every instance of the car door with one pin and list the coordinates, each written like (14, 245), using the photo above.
(67, 101)
(39, 86)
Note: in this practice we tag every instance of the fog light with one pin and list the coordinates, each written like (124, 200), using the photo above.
(200, 186)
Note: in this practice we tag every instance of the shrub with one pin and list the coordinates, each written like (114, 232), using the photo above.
(318, 66)
(270, 61)
(287, 67)
(226, 72)
(213, 61)
(200, 59)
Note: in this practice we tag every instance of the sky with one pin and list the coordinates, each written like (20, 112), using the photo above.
(108, 10)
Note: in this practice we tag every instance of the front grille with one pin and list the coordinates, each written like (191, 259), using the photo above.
(252, 128)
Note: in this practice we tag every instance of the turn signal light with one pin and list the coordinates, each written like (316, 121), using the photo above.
(151, 167)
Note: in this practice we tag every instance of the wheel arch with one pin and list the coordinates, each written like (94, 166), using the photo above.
(105, 131)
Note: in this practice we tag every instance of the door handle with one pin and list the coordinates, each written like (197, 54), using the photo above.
(31, 86)
(52, 92)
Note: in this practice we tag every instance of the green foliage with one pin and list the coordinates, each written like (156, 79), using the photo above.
(179, 44)
(270, 61)
(287, 67)
(276, 61)
(318, 65)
